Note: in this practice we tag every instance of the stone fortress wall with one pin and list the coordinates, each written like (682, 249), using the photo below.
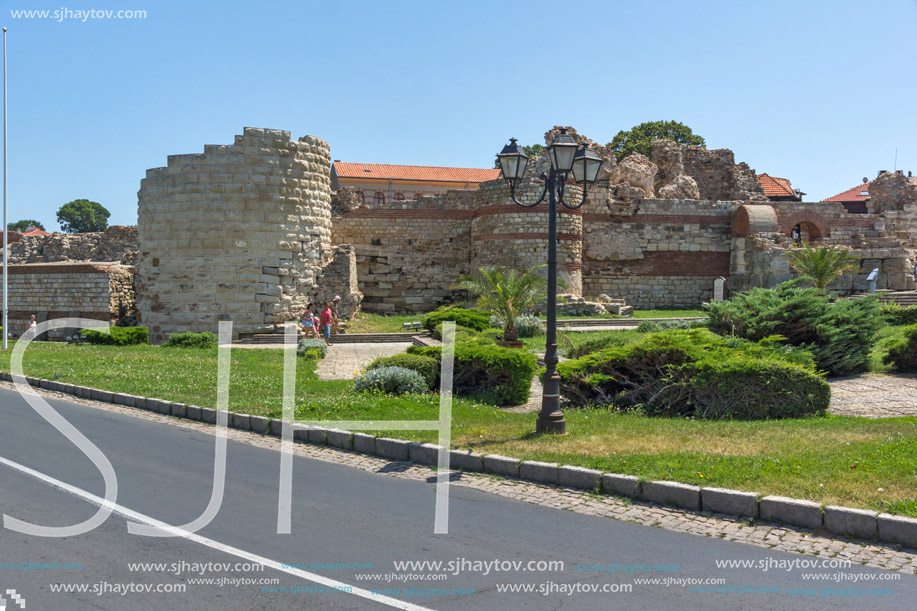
(251, 232)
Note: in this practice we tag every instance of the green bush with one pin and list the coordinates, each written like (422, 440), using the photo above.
(481, 369)
(839, 335)
(694, 373)
(312, 348)
(191, 340)
(391, 381)
(902, 352)
(426, 366)
(651, 326)
(894, 314)
(117, 336)
(608, 339)
(529, 326)
(463, 317)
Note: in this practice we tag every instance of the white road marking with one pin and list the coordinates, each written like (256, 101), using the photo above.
(222, 547)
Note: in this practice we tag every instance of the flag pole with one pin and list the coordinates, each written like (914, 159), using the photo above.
(6, 252)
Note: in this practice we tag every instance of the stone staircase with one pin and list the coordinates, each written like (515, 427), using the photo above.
(341, 338)
(902, 298)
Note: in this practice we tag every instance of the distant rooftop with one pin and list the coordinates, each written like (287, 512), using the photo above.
(413, 172)
(775, 186)
(859, 193)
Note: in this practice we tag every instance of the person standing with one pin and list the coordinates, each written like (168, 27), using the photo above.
(308, 322)
(327, 319)
(32, 328)
(336, 315)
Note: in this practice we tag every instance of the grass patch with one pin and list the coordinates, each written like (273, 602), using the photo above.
(668, 313)
(381, 323)
(830, 459)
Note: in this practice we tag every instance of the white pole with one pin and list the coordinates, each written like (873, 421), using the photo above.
(6, 252)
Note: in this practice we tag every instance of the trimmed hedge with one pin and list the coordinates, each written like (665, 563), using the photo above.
(695, 373)
(312, 348)
(472, 319)
(189, 339)
(894, 314)
(839, 335)
(117, 336)
(426, 366)
(504, 373)
(902, 353)
(391, 381)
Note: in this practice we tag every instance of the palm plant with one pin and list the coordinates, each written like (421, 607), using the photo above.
(823, 264)
(508, 293)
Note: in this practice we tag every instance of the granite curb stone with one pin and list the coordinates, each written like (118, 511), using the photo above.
(339, 438)
(579, 477)
(466, 460)
(424, 453)
(858, 523)
(897, 529)
(732, 502)
(364, 443)
(501, 465)
(796, 512)
(259, 424)
(544, 472)
(625, 485)
(677, 494)
(317, 435)
(393, 449)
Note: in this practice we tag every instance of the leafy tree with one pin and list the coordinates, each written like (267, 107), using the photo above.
(24, 224)
(506, 292)
(82, 215)
(639, 139)
(822, 265)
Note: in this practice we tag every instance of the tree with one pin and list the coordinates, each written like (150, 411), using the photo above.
(822, 265)
(507, 292)
(23, 225)
(82, 215)
(639, 139)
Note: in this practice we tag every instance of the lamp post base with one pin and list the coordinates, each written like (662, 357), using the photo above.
(551, 425)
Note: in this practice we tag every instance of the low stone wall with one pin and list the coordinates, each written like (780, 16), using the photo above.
(100, 291)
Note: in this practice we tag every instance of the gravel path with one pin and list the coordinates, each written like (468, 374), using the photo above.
(345, 360)
(874, 395)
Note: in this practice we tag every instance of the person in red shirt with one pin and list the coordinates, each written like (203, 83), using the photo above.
(326, 319)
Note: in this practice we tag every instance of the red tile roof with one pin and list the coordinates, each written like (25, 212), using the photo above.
(413, 172)
(36, 232)
(776, 187)
(855, 194)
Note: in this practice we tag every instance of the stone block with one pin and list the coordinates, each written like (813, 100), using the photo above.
(625, 485)
(300, 434)
(393, 449)
(897, 529)
(208, 415)
(542, 472)
(119, 398)
(795, 512)
(674, 494)
(424, 453)
(732, 502)
(338, 438)
(179, 410)
(466, 460)
(501, 465)
(851, 522)
(101, 395)
(317, 435)
(193, 412)
(277, 427)
(239, 421)
(260, 424)
(579, 477)
(363, 443)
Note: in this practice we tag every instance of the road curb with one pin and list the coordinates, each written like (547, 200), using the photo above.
(837, 520)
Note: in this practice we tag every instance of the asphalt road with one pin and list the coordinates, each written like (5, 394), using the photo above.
(341, 516)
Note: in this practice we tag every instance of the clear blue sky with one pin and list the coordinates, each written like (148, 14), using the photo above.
(819, 92)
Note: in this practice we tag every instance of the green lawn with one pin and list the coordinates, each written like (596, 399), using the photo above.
(851, 461)
(668, 313)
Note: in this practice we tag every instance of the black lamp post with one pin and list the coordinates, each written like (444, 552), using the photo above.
(566, 156)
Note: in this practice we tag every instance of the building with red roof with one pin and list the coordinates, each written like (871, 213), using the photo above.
(854, 199)
(379, 185)
(779, 189)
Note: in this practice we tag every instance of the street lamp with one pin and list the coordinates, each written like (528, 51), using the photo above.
(566, 156)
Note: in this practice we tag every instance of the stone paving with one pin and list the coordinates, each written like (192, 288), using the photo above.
(343, 361)
(761, 534)
(875, 395)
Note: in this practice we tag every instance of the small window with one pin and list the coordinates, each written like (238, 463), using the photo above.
(417, 197)
(398, 197)
(362, 198)
(864, 193)
(378, 199)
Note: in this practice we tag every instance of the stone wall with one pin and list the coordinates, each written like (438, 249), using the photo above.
(237, 233)
(719, 177)
(55, 290)
(115, 244)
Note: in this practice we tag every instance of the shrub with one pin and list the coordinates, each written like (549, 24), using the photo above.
(391, 381)
(504, 373)
(312, 348)
(894, 314)
(650, 326)
(426, 366)
(117, 336)
(472, 319)
(529, 326)
(902, 352)
(608, 339)
(191, 340)
(839, 335)
(695, 373)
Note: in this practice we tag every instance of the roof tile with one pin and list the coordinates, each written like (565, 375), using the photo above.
(413, 172)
